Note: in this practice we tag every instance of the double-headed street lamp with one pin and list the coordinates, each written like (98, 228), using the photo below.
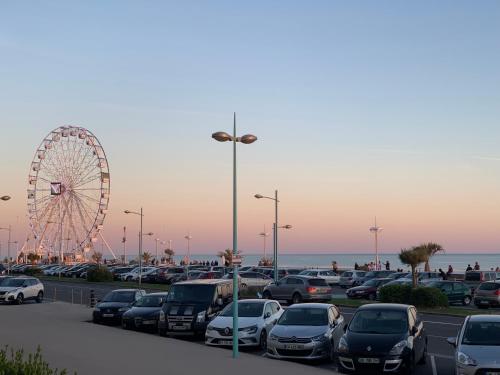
(5, 198)
(162, 242)
(246, 139)
(275, 229)
(376, 230)
(9, 229)
(188, 254)
(140, 241)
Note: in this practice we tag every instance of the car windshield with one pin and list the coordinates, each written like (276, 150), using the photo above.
(482, 333)
(245, 309)
(489, 286)
(191, 293)
(371, 282)
(379, 322)
(13, 283)
(304, 317)
(151, 301)
(127, 296)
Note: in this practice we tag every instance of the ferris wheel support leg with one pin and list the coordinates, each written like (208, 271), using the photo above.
(107, 245)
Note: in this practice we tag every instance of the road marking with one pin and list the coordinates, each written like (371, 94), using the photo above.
(448, 324)
(442, 356)
(433, 363)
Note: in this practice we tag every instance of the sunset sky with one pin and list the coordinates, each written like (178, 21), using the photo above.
(362, 109)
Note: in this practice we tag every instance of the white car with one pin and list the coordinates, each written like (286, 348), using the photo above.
(134, 274)
(19, 289)
(251, 278)
(256, 319)
(329, 276)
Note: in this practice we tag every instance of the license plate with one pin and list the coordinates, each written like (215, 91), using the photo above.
(226, 342)
(294, 347)
(179, 328)
(369, 360)
(107, 315)
(149, 322)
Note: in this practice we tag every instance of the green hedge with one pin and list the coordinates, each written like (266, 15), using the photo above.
(99, 274)
(14, 363)
(420, 296)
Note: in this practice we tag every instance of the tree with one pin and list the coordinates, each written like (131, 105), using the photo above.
(33, 257)
(146, 257)
(412, 257)
(429, 250)
(228, 256)
(20, 257)
(97, 257)
(169, 253)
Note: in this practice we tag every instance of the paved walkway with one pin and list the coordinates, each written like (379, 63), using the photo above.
(69, 341)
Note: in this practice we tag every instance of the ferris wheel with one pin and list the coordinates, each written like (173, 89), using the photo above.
(68, 191)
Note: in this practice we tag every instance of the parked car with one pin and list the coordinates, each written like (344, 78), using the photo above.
(349, 278)
(383, 337)
(145, 312)
(19, 289)
(306, 331)
(368, 290)
(191, 305)
(251, 279)
(477, 346)
(373, 275)
(487, 294)
(118, 271)
(256, 318)
(456, 291)
(171, 275)
(330, 277)
(111, 308)
(296, 289)
(397, 275)
(134, 274)
(475, 278)
(424, 277)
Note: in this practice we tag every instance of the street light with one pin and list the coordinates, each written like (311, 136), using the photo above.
(376, 230)
(9, 229)
(5, 198)
(246, 139)
(264, 235)
(162, 242)
(188, 238)
(275, 231)
(140, 241)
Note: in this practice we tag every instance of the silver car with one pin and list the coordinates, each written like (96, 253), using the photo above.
(299, 288)
(350, 278)
(308, 331)
(477, 346)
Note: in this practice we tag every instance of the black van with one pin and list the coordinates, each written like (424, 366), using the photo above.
(191, 305)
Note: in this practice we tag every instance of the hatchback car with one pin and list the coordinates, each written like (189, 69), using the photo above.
(456, 291)
(477, 346)
(383, 337)
(296, 289)
(330, 277)
(145, 312)
(367, 290)
(19, 289)
(309, 331)
(256, 317)
(350, 278)
(114, 304)
(487, 294)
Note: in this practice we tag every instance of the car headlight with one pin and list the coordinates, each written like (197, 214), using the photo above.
(97, 309)
(210, 328)
(251, 329)
(319, 338)
(200, 318)
(466, 360)
(123, 309)
(14, 291)
(273, 337)
(343, 347)
(162, 316)
(398, 348)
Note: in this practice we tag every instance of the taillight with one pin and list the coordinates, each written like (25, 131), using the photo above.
(497, 292)
(311, 289)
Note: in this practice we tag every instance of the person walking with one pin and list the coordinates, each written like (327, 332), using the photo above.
(356, 266)
(442, 274)
(387, 266)
(469, 268)
(476, 267)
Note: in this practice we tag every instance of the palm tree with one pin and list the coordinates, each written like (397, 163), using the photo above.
(20, 257)
(169, 253)
(33, 257)
(97, 257)
(429, 250)
(146, 257)
(228, 256)
(413, 257)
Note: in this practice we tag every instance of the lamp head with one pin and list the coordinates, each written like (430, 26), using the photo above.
(127, 211)
(288, 226)
(149, 234)
(5, 198)
(221, 136)
(258, 196)
(248, 138)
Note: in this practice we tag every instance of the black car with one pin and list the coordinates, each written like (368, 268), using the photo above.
(373, 275)
(111, 308)
(368, 289)
(383, 337)
(145, 312)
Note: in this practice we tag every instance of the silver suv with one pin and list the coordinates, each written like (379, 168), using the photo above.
(351, 278)
(488, 294)
(18, 289)
(298, 288)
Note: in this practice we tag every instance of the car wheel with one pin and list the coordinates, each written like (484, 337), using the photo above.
(39, 297)
(372, 296)
(266, 295)
(466, 301)
(19, 299)
(95, 320)
(125, 325)
(410, 368)
(296, 298)
(332, 353)
(423, 360)
(263, 340)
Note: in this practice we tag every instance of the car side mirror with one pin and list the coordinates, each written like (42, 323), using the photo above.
(414, 330)
(452, 341)
(267, 315)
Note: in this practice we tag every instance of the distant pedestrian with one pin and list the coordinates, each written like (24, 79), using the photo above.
(476, 267)
(387, 266)
(356, 266)
(442, 274)
(469, 268)
(497, 269)
(335, 268)
(450, 270)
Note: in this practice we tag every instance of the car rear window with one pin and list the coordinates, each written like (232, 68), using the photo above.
(489, 286)
(473, 276)
(318, 282)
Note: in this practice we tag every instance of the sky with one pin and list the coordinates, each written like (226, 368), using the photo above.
(361, 109)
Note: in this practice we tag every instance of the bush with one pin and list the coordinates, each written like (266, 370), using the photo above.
(32, 271)
(14, 362)
(396, 294)
(99, 274)
(420, 296)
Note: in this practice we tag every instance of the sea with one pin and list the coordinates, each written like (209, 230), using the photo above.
(458, 261)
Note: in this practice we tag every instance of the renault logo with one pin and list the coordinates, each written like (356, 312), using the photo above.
(369, 348)
(293, 338)
(226, 330)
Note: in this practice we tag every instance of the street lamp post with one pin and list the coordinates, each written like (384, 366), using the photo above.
(264, 235)
(376, 230)
(9, 229)
(188, 239)
(246, 139)
(140, 241)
